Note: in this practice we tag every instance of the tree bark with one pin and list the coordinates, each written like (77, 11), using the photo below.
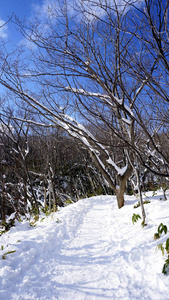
(122, 186)
(120, 193)
(140, 195)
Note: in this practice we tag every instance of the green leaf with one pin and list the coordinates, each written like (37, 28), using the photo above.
(162, 228)
(167, 245)
(143, 224)
(167, 261)
(165, 229)
(135, 218)
(156, 236)
(9, 252)
(161, 247)
(164, 269)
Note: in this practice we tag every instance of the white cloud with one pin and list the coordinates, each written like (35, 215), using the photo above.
(90, 9)
(44, 10)
(99, 8)
(3, 29)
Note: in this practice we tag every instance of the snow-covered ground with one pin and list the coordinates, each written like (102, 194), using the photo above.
(88, 250)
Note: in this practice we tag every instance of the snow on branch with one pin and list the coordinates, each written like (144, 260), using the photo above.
(34, 122)
(120, 171)
(106, 98)
(73, 127)
(79, 131)
(127, 121)
(85, 93)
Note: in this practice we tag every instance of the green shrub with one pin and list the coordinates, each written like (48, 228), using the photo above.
(144, 202)
(68, 201)
(135, 218)
(163, 247)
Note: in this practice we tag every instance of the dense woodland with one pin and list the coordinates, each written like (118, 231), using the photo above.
(43, 170)
(85, 105)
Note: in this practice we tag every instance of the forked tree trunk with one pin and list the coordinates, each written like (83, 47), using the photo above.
(122, 179)
(122, 186)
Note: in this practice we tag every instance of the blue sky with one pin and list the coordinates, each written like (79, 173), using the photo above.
(22, 8)
(27, 9)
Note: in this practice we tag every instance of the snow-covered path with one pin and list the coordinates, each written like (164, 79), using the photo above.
(92, 252)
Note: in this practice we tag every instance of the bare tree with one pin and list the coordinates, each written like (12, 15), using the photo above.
(150, 64)
(17, 183)
(81, 61)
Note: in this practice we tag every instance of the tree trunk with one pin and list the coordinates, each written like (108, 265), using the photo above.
(45, 192)
(45, 199)
(3, 215)
(50, 196)
(164, 194)
(140, 195)
(54, 196)
(120, 192)
(122, 179)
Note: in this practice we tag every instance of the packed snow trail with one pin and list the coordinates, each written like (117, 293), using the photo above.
(87, 251)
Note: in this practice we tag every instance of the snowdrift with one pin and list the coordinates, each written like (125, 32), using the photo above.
(87, 250)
